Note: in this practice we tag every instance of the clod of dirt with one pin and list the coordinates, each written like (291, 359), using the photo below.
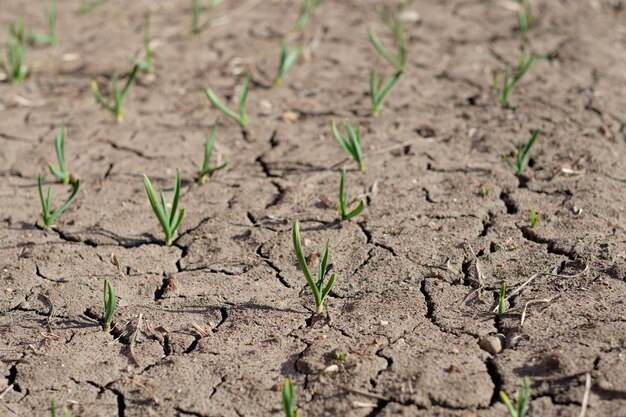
(493, 344)
(425, 130)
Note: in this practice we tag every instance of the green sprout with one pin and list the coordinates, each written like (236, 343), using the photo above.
(168, 219)
(341, 358)
(399, 60)
(47, 215)
(87, 6)
(524, 17)
(393, 21)
(53, 408)
(306, 9)
(61, 172)
(18, 31)
(523, 400)
(504, 89)
(287, 59)
(534, 218)
(288, 397)
(119, 95)
(205, 170)
(196, 10)
(51, 37)
(521, 158)
(242, 117)
(352, 145)
(13, 64)
(319, 291)
(343, 200)
(148, 62)
(108, 295)
(378, 92)
(501, 300)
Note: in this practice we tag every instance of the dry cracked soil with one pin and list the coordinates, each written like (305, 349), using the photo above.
(213, 325)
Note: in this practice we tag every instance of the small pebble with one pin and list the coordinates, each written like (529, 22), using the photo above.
(493, 344)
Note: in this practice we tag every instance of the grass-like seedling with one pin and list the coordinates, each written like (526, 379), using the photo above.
(119, 95)
(287, 59)
(343, 200)
(398, 60)
(306, 9)
(148, 55)
(523, 400)
(196, 11)
(205, 170)
(352, 145)
(534, 218)
(524, 17)
(242, 117)
(503, 90)
(523, 153)
(61, 172)
(54, 408)
(501, 300)
(319, 290)
(87, 6)
(51, 37)
(378, 91)
(288, 399)
(170, 220)
(13, 64)
(47, 215)
(110, 303)
(393, 21)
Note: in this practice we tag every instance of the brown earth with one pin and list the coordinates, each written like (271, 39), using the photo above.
(214, 324)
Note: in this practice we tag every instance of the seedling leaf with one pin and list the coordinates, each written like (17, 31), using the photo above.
(287, 60)
(351, 144)
(170, 220)
(319, 291)
(242, 117)
(47, 216)
(343, 200)
(110, 304)
(119, 96)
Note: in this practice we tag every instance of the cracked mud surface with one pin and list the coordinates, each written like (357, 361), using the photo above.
(213, 325)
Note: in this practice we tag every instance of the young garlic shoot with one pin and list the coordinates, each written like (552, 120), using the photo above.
(343, 200)
(148, 55)
(306, 9)
(14, 63)
(319, 290)
(119, 95)
(51, 37)
(87, 6)
(523, 400)
(205, 170)
(505, 88)
(61, 172)
(47, 215)
(394, 20)
(523, 153)
(54, 408)
(351, 144)
(501, 300)
(534, 218)
(287, 60)
(110, 303)
(169, 219)
(399, 60)
(288, 400)
(196, 11)
(242, 117)
(525, 18)
(378, 91)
